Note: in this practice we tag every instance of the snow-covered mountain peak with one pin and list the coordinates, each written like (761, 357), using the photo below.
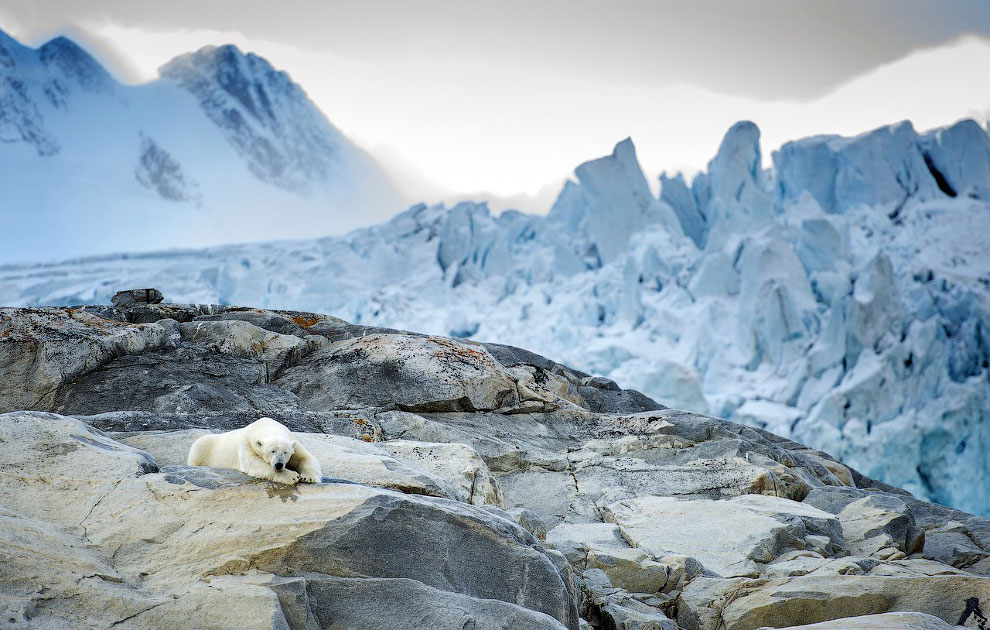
(71, 61)
(220, 139)
(285, 139)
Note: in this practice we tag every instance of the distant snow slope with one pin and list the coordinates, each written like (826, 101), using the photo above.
(841, 297)
(216, 150)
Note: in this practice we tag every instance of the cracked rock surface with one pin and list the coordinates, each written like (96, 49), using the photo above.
(465, 485)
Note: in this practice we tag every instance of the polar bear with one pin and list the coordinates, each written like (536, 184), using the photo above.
(264, 449)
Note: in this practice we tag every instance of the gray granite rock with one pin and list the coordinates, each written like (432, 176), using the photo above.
(133, 297)
(446, 462)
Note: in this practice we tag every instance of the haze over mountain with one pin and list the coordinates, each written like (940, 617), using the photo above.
(223, 147)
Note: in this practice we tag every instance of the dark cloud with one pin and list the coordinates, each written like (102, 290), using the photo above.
(768, 49)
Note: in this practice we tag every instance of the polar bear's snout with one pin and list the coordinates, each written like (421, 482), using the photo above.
(279, 455)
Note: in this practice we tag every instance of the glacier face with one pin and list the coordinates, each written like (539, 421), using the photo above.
(840, 297)
(200, 156)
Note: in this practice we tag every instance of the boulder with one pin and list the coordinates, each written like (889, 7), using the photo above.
(41, 349)
(872, 524)
(71, 463)
(364, 604)
(133, 297)
(401, 371)
(601, 546)
(458, 464)
(242, 339)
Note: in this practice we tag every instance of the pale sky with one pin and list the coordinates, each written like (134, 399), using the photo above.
(468, 98)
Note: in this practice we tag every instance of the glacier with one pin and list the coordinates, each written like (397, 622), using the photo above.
(839, 296)
(202, 155)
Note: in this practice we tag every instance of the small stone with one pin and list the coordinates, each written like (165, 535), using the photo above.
(133, 297)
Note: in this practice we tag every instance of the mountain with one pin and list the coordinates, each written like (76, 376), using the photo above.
(840, 298)
(205, 154)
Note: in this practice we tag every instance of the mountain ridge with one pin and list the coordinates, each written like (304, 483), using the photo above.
(77, 143)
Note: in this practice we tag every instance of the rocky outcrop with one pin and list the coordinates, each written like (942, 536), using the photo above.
(466, 485)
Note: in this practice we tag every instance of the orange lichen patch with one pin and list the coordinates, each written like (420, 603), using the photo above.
(260, 346)
(305, 322)
(456, 348)
(95, 321)
(359, 421)
(450, 351)
(367, 438)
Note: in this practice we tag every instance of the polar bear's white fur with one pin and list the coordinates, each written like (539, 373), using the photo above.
(264, 449)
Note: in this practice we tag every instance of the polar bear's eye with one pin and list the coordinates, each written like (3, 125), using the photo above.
(259, 443)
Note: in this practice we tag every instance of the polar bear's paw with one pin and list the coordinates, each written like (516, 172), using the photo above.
(286, 476)
(308, 478)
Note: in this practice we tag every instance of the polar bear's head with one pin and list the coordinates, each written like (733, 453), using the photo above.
(275, 450)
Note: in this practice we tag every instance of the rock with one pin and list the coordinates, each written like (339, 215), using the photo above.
(42, 349)
(872, 524)
(409, 467)
(954, 544)
(815, 599)
(530, 521)
(886, 621)
(727, 537)
(41, 562)
(364, 604)
(165, 533)
(58, 455)
(190, 379)
(446, 462)
(297, 324)
(601, 546)
(242, 339)
(133, 297)
(633, 615)
(423, 374)
(458, 464)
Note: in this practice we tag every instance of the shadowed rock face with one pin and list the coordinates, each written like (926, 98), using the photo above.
(466, 485)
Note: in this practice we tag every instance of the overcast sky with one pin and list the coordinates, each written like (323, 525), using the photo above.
(509, 96)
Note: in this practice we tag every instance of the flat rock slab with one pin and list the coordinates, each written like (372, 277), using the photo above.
(886, 621)
(452, 471)
(728, 537)
(713, 604)
(370, 604)
(71, 463)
